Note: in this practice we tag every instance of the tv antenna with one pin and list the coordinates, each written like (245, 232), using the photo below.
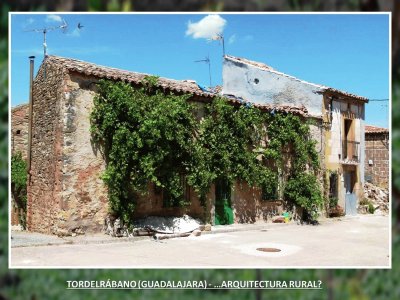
(219, 37)
(207, 61)
(63, 27)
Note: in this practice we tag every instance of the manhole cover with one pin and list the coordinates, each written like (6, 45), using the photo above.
(269, 249)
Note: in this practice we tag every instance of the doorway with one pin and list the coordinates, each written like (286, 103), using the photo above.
(223, 209)
(350, 196)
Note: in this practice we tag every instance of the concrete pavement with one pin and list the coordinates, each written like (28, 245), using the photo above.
(361, 241)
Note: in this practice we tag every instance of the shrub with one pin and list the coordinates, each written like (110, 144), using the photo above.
(18, 185)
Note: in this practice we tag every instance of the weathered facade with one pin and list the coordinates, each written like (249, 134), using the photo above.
(65, 192)
(339, 118)
(19, 143)
(19, 130)
(377, 155)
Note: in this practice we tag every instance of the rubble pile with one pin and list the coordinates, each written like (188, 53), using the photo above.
(152, 225)
(378, 197)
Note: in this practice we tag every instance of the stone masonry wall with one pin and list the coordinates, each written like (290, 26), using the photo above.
(377, 152)
(44, 184)
(19, 142)
(84, 200)
(66, 194)
(19, 129)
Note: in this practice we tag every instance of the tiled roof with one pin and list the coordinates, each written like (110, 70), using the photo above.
(322, 88)
(91, 69)
(182, 86)
(374, 129)
(19, 107)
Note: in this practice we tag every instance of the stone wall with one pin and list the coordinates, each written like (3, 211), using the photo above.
(19, 142)
(66, 194)
(377, 159)
(19, 129)
(84, 200)
(44, 184)
(248, 206)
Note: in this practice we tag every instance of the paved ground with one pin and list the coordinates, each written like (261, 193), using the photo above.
(361, 241)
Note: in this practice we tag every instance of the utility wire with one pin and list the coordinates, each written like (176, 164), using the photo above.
(378, 99)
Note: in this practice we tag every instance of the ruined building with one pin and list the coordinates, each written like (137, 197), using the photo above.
(66, 194)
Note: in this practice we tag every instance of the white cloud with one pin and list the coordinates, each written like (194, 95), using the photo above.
(53, 18)
(232, 39)
(206, 28)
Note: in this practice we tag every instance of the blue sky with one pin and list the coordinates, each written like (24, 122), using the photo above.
(348, 52)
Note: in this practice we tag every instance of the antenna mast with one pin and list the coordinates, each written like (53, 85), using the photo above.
(45, 30)
(220, 37)
(207, 61)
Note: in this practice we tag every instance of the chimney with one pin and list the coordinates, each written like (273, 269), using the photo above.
(31, 62)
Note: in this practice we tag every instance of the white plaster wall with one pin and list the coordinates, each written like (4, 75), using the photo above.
(334, 143)
(263, 86)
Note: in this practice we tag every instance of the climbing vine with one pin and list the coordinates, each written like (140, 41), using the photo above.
(291, 153)
(228, 146)
(18, 186)
(149, 136)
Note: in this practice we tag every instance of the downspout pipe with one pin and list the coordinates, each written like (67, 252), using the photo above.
(29, 156)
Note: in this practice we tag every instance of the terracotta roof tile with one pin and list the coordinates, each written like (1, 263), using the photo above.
(90, 69)
(373, 129)
(184, 86)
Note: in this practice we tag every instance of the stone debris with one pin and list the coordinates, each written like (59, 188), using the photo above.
(207, 227)
(278, 219)
(196, 232)
(378, 197)
(153, 225)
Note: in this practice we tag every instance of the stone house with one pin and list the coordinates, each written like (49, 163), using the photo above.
(339, 120)
(377, 155)
(19, 143)
(65, 192)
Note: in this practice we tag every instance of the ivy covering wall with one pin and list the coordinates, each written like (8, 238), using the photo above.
(19, 176)
(149, 136)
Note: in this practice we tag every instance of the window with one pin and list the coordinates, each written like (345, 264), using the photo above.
(270, 193)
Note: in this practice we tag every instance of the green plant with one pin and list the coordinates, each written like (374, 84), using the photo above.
(371, 208)
(226, 147)
(18, 185)
(304, 190)
(333, 201)
(146, 136)
(149, 136)
(364, 201)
